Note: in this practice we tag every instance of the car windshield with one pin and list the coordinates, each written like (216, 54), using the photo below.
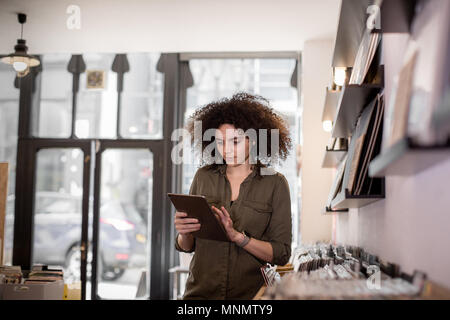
(57, 204)
(115, 209)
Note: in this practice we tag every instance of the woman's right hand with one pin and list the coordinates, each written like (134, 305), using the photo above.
(185, 226)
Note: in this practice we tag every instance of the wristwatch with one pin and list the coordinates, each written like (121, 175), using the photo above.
(244, 242)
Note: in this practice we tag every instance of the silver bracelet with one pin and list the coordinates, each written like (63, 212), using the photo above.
(245, 241)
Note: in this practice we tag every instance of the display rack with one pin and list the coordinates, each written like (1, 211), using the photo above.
(407, 158)
(349, 32)
(332, 157)
(352, 101)
(345, 199)
(327, 210)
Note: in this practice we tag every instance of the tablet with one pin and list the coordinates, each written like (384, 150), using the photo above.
(197, 207)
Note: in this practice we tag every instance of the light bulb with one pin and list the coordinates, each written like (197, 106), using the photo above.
(327, 125)
(339, 76)
(22, 74)
(20, 66)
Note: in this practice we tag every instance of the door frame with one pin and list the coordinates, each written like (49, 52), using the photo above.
(156, 148)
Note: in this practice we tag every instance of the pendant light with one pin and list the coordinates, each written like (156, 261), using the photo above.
(20, 60)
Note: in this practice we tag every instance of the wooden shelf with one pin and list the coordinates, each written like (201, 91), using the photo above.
(407, 158)
(353, 99)
(328, 211)
(352, 23)
(333, 157)
(346, 200)
(396, 15)
(331, 101)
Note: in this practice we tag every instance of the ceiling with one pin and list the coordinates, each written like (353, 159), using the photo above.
(168, 25)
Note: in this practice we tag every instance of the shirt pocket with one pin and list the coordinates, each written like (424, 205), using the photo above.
(213, 200)
(255, 217)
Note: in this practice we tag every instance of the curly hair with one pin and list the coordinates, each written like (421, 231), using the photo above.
(244, 111)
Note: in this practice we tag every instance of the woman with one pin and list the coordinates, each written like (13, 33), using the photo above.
(253, 205)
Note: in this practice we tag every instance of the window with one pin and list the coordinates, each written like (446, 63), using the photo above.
(142, 98)
(270, 78)
(97, 98)
(55, 103)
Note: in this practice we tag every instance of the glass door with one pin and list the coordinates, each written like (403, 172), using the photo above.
(122, 227)
(60, 233)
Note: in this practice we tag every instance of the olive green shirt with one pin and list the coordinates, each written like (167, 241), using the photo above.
(223, 270)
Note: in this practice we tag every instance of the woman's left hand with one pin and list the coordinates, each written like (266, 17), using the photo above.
(224, 217)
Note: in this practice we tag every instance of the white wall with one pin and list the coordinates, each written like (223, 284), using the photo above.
(316, 181)
(168, 25)
(411, 227)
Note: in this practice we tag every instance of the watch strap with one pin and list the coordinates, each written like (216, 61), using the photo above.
(244, 242)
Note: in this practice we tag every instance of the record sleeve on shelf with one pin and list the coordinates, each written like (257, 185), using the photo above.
(362, 131)
(337, 183)
(420, 85)
(355, 162)
(400, 102)
(364, 56)
(372, 148)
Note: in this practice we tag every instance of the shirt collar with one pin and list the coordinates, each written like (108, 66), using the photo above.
(221, 168)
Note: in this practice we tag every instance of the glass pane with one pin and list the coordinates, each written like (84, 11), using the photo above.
(125, 218)
(97, 99)
(55, 105)
(270, 78)
(142, 98)
(57, 213)
(9, 117)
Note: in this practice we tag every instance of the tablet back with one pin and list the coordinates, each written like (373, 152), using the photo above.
(197, 207)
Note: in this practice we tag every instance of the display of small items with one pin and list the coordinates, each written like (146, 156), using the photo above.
(10, 275)
(324, 271)
(38, 274)
(270, 275)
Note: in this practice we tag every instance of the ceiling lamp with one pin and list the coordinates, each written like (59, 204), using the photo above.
(20, 60)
